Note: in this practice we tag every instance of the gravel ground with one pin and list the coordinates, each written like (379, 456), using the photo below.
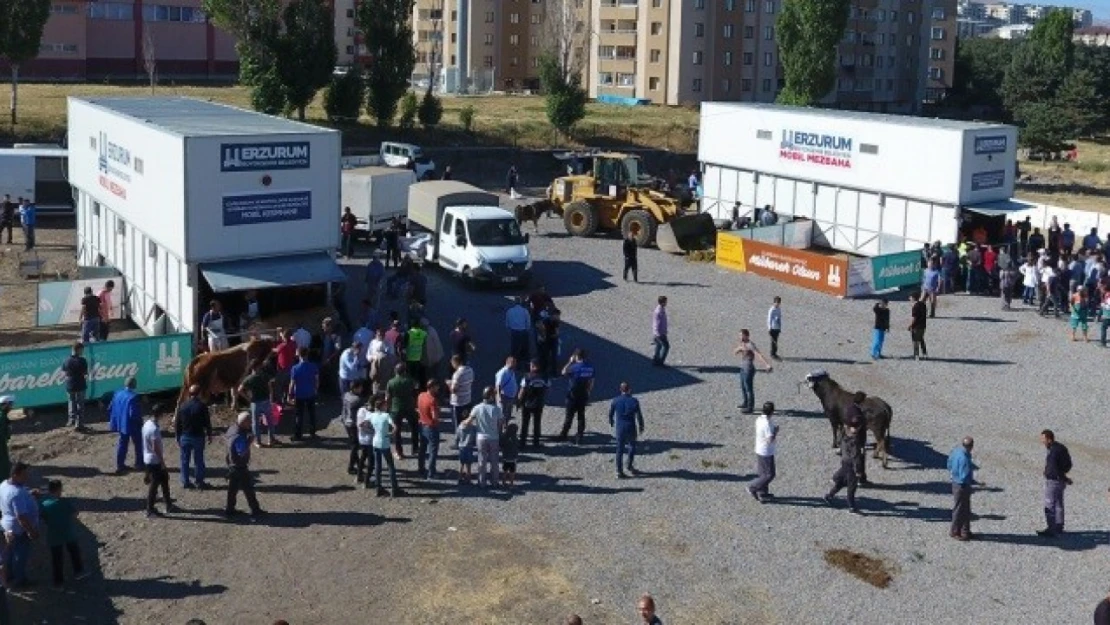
(685, 530)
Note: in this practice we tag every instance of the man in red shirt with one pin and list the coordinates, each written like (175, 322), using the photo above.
(286, 353)
(427, 409)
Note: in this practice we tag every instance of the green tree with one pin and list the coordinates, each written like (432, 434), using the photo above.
(268, 94)
(981, 65)
(431, 110)
(409, 108)
(808, 33)
(21, 25)
(256, 26)
(344, 96)
(1031, 78)
(1052, 37)
(1079, 103)
(1095, 60)
(385, 28)
(564, 98)
(306, 52)
(466, 118)
(1044, 129)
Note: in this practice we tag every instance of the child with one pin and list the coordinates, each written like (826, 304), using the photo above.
(774, 325)
(59, 516)
(466, 438)
(509, 446)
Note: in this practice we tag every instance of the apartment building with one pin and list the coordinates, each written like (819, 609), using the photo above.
(1093, 36)
(1008, 14)
(96, 40)
(687, 51)
(943, 32)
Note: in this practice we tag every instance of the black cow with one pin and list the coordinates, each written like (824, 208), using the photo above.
(835, 401)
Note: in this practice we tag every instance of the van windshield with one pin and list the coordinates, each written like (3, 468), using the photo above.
(495, 232)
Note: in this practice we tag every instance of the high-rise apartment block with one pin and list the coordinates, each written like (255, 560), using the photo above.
(978, 19)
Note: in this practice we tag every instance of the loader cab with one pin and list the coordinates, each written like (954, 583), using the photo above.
(615, 173)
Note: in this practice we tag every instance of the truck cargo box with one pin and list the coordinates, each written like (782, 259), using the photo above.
(377, 194)
(428, 199)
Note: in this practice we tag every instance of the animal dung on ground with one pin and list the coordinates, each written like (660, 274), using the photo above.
(874, 571)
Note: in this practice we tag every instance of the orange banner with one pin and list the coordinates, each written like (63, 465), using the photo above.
(828, 274)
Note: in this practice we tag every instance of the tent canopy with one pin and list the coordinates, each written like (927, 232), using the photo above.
(268, 273)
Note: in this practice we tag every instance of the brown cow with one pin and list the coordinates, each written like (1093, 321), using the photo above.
(532, 213)
(223, 371)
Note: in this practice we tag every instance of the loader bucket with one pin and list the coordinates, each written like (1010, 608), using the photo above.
(686, 233)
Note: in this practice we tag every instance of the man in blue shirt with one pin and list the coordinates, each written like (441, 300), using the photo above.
(624, 417)
(304, 383)
(125, 416)
(27, 220)
(961, 469)
(581, 375)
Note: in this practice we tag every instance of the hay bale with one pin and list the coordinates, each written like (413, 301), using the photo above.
(874, 571)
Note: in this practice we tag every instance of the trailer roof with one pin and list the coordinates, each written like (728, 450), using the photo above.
(190, 117)
(905, 120)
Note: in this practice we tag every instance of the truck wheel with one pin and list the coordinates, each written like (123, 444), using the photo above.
(641, 225)
(580, 219)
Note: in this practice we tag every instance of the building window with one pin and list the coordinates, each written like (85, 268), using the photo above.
(766, 85)
(726, 85)
(486, 61)
(767, 59)
(880, 15)
(350, 14)
(748, 58)
(535, 62)
(745, 84)
(350, 50)
(699, 4)
(653, 83)
(656, 28)
(909, 40)
(697, 57)
(626, 80)
(728, 59)
(768, 33)
(536, 18)
(699, 29)
(489, 17)
(894, 16)
(935, 53)
(696, 86)
(769, 6)
(164, 13)
(938, 34)
(514, 18)
(938, 13)
(58, 48)
(879, 61)
(63, 9)
(605, 79)
(882, 39)
(654, 56)
(727, 31)
(656, 4)
(910, 16)
(730, 5)
(454, 16)
(513, 62)
(936, 73)
(514, 40)
(749, 6)
(454, 37)
(749, 32)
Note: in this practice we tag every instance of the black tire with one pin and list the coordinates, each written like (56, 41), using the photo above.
(580, 219)
(641, 225)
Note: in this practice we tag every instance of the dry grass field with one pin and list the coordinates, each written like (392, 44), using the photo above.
(1084, 184)
(500, 120)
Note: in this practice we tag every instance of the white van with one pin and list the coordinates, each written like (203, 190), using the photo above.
(38, 173)
(400, 154)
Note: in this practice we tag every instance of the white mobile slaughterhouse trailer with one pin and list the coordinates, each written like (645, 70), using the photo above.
(193, 201)
(872, 184)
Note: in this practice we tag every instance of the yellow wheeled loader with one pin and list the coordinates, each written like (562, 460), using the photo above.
(607, 192)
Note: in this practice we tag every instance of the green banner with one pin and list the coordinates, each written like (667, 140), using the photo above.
(892, 271)
(35, 376)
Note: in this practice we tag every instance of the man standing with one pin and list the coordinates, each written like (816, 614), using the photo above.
(7, 216)
(347, 225)
(630, 249)
(19, 518)
(90, 316)
(1023, 228)
(624, 417)
(489, 420)
(961, 469)
(659, 332)
(881, 327)
(105, 297)
(845, 476)
(259, 389)
(766, 434)
(518, 322)
(192, 427)
(400, 395)
(76, 369)
(156, 474)
(748, 352)
(774, 326)
(1056, 468)
(353, 401)
(304, 385)
(507, 387)
(239, 476)
(125, 417)
(6, 403)
(375, 272)
(857, 422)
(416, 340)
(533, 395)
(930, 285)
(460, 385)
(352, 367)
(918, 314)
(646, 608)
(427, 406)
(461, 343)
(581, 373)
(27, 220)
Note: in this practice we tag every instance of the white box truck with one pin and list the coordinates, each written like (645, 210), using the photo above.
(376, 195)
(192, 201)
(873, 184)
(38, 173)
(469, 234)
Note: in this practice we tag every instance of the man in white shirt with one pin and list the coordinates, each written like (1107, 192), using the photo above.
(518, 321)
(302, 337)
(156, 474)
(507, 387)
(19, 518)
(766, 434)
(352, 366)
(489, 420)
(460, 386)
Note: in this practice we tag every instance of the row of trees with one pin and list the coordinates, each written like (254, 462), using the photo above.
(21, 26)
(1055, 90)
